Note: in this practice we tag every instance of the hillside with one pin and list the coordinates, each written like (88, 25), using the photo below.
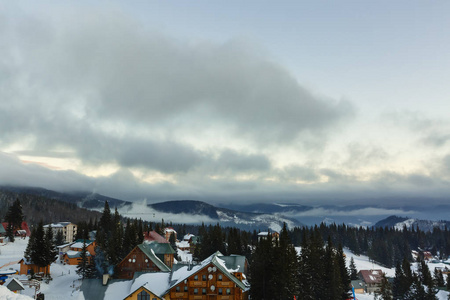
(37, 207)
(400, 222)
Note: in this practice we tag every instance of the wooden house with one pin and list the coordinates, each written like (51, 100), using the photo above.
(27, 267)
(73, 255)
(214, 279)
(145, 257)
(168, 231)
(372, 279)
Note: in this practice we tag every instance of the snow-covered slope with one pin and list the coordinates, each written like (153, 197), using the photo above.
(399, 223)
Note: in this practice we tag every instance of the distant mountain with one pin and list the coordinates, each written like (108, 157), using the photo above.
(227, 217)
(38, 207)
(400, 222)
(269, 207)
(82, 199)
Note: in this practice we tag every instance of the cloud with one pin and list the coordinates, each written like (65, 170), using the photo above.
(105, 82)
(368, 211)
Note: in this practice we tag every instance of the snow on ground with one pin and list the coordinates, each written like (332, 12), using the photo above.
(65, 283)
(12, 252)
(362, 263)
(6, 294)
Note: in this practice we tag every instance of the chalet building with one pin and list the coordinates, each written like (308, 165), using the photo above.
(168, 231)
(27, 267)
(358, 286)
(372, 280)
(265, 235)
(68, 229)
(216, 278)
(151, 257)
(73, 255)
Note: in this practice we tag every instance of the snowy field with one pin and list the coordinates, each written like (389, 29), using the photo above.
(65, 283)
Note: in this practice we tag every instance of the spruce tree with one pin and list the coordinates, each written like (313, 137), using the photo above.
(59, 238)
(50, 247)
(385, 292)
(353, 270)
(262, 270)
(14, 215)
(439, 278)
(10, 232)
(82, 268)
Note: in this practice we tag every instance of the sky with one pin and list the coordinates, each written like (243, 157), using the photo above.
(311, 102)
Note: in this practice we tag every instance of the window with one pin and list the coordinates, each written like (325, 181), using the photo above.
(185, 288)
(195, 291)
(178, 288)
(228, 291)
(219, 277)
(203, 291)
(196, 277)
(220, 291)
(143, 296)
(204, 277)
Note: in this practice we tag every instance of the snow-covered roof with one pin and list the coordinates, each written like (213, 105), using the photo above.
(169, 229)
(182, 244)
(157, 283)
(80, 244)
(118, 290)
(188, 236)
(14, 285)
(184, 272)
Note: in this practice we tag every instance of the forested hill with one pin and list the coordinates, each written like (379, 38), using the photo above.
(37, 207)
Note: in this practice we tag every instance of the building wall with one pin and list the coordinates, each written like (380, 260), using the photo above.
(135, 261)
(206, 280)
(69, 232)
(134, 296)
(25, 269)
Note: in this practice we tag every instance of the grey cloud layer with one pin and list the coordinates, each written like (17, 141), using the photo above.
(112, 91)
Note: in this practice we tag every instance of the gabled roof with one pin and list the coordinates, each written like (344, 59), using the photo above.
(371, 276)
(2, 229)
(235, 262)
(216, 259)
(14, 285)
(150, 253)
(160, 248)
(156, 283)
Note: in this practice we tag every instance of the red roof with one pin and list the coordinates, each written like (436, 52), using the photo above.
(24, 226)
(154, 236)
(371, 276)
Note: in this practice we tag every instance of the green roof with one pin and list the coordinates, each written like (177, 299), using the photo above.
(150, 253)
(160, 248)
(2, 230)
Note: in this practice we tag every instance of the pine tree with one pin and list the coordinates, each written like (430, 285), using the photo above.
(344, 276)
(82, 268)
(14, 215)
(353, 270)
(385, 292)
(59, 238)
(262, 270)
(10, 232)
(50, 247)
(439, 278)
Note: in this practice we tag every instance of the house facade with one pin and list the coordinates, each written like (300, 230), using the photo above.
(143, 258)
(372, 280)
(68, 229)
(27, 267)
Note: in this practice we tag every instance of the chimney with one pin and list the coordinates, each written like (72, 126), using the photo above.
(105, 279)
